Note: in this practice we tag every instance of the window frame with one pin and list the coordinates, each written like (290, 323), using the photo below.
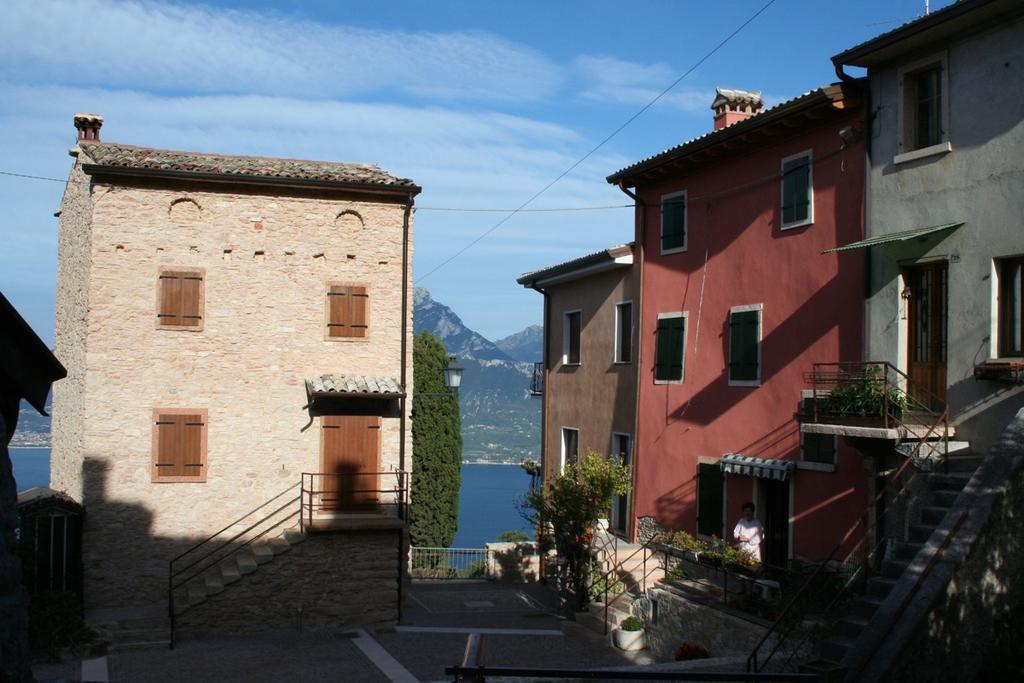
(562, 449)
(806, 464)
(367, 319)
(1002, 306)
(686, 223)
(565, 338)
(906, 123)
(155, 476)
(685, 315)
(760, 339)
(201, 272)
(783, 225)
(617, 353)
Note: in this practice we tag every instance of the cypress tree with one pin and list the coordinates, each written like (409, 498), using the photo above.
(436, 448)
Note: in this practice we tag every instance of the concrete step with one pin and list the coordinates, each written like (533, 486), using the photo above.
(964, 463)
(906, 551)
(879, 586)
(262, 552)
(851, 626)
(954, 481)
(944, 499)
(279, 545)
(834, 649)
(213, 584)
(196, 594)
(246, 563)
(894, 569)
(229, 572)
(865, 606)
(933, 516)
(294, 535)
(920, 533)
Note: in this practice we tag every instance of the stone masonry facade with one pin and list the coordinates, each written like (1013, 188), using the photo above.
(267, 254)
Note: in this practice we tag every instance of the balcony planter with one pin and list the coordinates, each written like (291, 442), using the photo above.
(630, 636)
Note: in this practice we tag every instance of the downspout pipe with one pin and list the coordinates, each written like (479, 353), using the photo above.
(403, 551)
(640, 231)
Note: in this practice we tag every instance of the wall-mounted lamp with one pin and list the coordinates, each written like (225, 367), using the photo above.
(453, 373)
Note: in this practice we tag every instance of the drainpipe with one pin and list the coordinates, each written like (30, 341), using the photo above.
(405, 331)
(640, 231)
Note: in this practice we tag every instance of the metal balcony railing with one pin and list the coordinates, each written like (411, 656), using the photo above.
(537, 380)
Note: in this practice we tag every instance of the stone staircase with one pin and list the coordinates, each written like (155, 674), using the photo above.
(236, 566)
(942, 492)
(627, 561)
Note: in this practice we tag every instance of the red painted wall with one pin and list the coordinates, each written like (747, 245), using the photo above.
(812, 311)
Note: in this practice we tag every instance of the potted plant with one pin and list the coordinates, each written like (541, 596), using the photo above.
(629, 636)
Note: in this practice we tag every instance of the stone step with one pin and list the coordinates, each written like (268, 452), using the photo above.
(212, 584)
(262, 552)
(229, 572)
(879, 586)
(920, 533)
(906, 551)
(279, 545)
(955, 481)
(933, 516)
(964, 463)
(865, 606)
(141, 638)
(294, 535)
(945, 499)
(834, 649)
(196, 595)
(246, 563)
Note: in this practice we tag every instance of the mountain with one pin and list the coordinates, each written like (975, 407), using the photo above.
(500, 420)
(527, 345)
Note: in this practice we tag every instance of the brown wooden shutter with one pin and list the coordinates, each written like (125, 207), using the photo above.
(348, 309)
(191, 299)
(169, 312)
(179, 446)
(180, 299)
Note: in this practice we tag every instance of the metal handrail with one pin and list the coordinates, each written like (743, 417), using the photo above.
(615, 568)
(308, 493)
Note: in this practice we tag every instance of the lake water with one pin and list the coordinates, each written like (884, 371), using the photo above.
(487, 505)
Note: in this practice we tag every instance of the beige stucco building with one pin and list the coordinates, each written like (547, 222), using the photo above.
(589, 367)
(229, 323)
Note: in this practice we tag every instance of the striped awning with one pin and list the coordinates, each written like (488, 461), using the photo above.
(751, 466)
(891, 237)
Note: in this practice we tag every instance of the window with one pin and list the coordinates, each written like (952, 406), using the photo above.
(624, 332)
(819, 448)
(673, 223)
(923, 107)
(710, 499)
(570, 445)
(179, 299)
(745, 345)
(571, 338)
(1011, 307)
(348, 311)
(179, 445)
(797, 191)
(670, 347)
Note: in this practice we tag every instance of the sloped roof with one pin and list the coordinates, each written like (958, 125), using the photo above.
(355, 385)
(610, 256)
(835, 96)
(115, 157)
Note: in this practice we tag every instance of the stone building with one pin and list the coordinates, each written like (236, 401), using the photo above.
(238, 333)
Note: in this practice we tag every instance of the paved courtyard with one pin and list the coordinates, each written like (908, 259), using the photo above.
(517, 625)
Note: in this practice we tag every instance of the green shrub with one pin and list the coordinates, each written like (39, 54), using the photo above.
(513, 536)
(632, 624)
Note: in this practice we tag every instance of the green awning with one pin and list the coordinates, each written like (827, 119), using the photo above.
(751, 466)
(895, 237)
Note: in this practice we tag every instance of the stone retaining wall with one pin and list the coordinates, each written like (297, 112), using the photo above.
(329, 582)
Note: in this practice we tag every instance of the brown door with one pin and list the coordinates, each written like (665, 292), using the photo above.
(926, 321)
(349, 462)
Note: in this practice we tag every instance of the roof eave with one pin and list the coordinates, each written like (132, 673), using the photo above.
(242, 179)
(606, 260)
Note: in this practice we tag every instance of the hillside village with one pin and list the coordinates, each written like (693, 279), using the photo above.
(775, 433)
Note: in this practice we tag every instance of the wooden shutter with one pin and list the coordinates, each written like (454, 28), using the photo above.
(710, 484)
(796, 196)
(744, 334)
(180, 299)
(179, 446)
(573, 320)
(668, 354)
(819, 448)
(348, 308)
(673, 223)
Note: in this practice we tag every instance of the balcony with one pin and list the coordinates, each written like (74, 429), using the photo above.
(350, 501)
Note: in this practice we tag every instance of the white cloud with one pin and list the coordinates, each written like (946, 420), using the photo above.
(617, 81)
(175, 48)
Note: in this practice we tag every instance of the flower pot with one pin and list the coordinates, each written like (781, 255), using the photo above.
(629, 641)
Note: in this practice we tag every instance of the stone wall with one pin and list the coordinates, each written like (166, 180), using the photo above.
(329, 582)
(513, 562)
(267, 260)
(721, 632)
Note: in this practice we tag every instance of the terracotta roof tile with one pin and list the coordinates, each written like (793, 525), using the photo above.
(355, 384)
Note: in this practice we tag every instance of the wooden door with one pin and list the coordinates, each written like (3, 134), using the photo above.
(349, 462)
(926, 321)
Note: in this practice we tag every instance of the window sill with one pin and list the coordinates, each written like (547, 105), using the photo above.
(799, 224)
(744, 383)
(571, 365)
(622, 362)
(668, 381)
(674, 250)
(923, 153)
(815, 466)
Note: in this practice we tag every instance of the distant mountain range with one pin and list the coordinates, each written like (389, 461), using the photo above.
(500, 420)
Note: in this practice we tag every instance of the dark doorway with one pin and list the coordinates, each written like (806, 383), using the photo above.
(927, 297)
(773, 511)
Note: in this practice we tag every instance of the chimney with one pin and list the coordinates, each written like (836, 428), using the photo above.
(88, 126)
(732, 106)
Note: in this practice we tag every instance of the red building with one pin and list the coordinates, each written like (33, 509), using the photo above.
(737, 302)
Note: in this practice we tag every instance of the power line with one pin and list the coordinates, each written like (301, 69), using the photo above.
(599, 145)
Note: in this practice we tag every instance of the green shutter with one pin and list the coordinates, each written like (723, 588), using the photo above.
(710, 484)
(744, 331)
(673, 223)
(668, 355)
(796, 196)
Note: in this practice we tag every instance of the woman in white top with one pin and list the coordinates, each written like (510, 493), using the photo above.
(749, 533)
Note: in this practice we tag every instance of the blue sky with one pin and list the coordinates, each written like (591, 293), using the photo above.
(481, 103)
